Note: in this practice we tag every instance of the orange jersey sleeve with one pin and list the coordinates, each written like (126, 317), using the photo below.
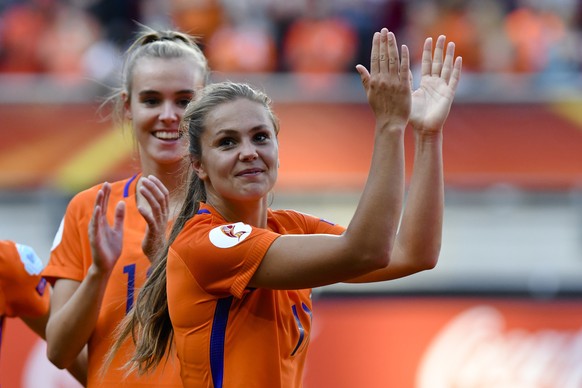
(71, 258)
(226, 334)
(23, 291)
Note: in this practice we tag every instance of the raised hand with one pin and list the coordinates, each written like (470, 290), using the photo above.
(106, 241)
(387, 85)
(432, 101)
(155, 214)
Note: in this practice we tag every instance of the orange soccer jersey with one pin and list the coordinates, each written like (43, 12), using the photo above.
(71, 258)
(23, 291)
(226, 334)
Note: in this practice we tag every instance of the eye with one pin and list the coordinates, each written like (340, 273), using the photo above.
(150, 101)
(261, 137)
(226, 142)
(183, 99)
(183, 102)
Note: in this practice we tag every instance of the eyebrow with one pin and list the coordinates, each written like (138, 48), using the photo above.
(228, 131)
(150, 91)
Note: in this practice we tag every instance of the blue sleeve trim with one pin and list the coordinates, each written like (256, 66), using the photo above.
(217, 339)
(127, 184)
(300, 325)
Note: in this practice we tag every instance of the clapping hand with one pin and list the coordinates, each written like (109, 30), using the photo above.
(106, 240)
(387, 85)
(156, 214)
(432, 101)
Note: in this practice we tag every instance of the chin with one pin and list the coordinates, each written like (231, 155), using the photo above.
(251, 195)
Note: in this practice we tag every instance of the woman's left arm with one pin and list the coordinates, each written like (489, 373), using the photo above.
(418, 241)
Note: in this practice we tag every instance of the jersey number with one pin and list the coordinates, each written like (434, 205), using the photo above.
(130, 271)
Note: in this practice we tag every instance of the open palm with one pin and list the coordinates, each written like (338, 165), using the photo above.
(106, 241)
(432, 101)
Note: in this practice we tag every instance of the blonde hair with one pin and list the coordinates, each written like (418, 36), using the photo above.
(151, 43)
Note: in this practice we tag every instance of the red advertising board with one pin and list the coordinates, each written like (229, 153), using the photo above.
(439, 342)
(401, 342)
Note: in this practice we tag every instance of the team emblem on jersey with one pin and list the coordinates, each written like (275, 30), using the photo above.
(32, 263)
(227, 236)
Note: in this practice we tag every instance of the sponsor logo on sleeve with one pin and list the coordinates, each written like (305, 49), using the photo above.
(227, 236)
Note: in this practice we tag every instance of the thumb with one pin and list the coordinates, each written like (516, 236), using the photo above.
(364, 75)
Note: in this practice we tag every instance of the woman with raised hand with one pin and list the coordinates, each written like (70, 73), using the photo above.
(104, 248)
(232, 287)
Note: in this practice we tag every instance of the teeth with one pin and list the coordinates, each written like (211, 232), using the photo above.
(169, 135)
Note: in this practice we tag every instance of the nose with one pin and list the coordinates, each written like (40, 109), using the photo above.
(248, 151)
(169, 113)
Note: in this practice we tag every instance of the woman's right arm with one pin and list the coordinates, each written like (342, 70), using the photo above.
(78, 369)
(74, 310)
(75, 305)
(303, 261)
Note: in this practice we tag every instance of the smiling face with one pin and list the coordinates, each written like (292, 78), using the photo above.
(161, 89)
(239, 152)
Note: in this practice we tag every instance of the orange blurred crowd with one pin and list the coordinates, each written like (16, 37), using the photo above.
(85, 38)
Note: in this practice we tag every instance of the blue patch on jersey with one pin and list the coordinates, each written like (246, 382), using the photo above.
(32, 263)
(327, 222)
(41, 286)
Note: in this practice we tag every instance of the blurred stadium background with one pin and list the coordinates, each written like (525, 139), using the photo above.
(502, 308)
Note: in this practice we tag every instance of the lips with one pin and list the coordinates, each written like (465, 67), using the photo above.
(250, 172)
(166, 135)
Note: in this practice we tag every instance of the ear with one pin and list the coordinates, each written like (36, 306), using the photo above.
(199, 169)
(126, 105)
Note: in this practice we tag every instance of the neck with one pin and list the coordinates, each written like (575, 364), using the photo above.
(249, 212)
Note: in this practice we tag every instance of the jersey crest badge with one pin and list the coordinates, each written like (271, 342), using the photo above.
(227, 236)
(32, 263)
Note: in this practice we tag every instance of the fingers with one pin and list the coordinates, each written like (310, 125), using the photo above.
(393, 58)
(405, 73)
(157, 196)
(94, 223)
(100, 207)
(447, 67)
(155, 193)
(389, 60)
(426, 62)
(456, 75)
(364, 76)
(433, 65)
(106, 188)
(384, 51)
(375, 55)
(437, 61)
(119, 216)
(102, 196)
(98, 222)
(384, 57)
